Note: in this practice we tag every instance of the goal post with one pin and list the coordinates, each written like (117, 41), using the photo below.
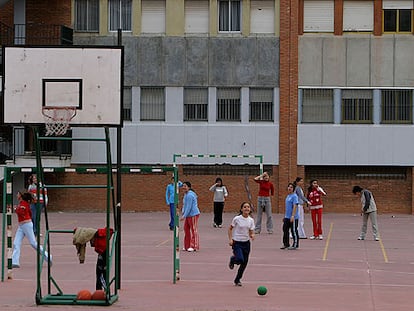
(176, 156)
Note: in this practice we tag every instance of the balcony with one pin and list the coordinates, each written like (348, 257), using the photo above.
(35, 34)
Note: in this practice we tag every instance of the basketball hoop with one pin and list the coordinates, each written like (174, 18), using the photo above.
(57, 119)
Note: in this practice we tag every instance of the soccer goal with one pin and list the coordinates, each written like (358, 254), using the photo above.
(176, 157)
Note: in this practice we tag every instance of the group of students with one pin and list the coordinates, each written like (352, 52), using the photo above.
(243, 227)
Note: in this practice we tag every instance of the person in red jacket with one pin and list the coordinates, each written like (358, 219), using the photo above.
(99, 243)
(315, 193)
(24, 217)
(266, 190)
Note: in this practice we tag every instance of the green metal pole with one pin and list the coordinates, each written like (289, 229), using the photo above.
(176, 246)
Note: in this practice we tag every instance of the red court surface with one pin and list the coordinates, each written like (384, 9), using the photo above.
(338, 273)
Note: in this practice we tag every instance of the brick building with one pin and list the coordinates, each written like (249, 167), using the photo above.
(321, 88)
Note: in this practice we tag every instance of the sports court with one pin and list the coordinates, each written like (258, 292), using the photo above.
(337, 273)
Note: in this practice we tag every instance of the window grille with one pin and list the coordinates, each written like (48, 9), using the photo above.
(225, 169)
(120, 15)
(317, 106)
(357, 106)
(228, 104)
(396, 106)
(195, 104)
(87, 15)
(229, 15)
(261, 104)
(152, 104)
(127, 100)
(355, 172)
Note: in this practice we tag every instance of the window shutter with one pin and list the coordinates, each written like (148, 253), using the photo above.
(358, 16)
(262, 18)
(318, 16)
(397, 4)
(196, 16)
(153, 16)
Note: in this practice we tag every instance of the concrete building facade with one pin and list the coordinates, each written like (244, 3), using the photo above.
(321, 88)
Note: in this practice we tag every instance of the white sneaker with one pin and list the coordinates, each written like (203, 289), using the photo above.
(320, 237)
(377, 238)
(360, 238)
(190, 249)
(312, 237)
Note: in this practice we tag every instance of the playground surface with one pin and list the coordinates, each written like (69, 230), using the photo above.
(337, 273)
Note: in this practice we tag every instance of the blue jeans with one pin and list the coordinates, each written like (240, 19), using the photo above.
(172, 215)
(25, 229)
(34, 210)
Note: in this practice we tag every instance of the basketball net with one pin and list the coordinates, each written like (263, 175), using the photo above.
(57, 119)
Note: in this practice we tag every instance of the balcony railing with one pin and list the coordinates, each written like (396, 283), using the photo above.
(35, 34)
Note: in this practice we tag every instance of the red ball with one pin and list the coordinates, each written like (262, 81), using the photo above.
(84, 294)
(99, 294)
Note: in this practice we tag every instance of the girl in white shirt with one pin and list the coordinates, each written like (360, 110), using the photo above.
(240, 232)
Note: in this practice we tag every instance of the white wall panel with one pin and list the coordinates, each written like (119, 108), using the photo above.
(326, 144)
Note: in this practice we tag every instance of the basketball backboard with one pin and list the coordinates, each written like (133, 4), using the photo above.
(88, 78)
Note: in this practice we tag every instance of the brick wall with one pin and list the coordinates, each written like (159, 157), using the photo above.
(391, 196)
(146, 192)
(53, 12)
(143, 192)
(289, 11)
(6, 13)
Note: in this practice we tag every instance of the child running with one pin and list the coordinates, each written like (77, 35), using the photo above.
(25, 228)
(240, 232)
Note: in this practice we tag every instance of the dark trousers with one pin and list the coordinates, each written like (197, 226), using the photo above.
(218, 213)
(100, 272)
(241, 252)
(293, 228)
(172, 215)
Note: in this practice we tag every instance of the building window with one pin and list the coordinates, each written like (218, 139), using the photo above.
(228, 104)
(152, 104)
(317, 106)
(127, 100)
(357, 106)
(87, 15)
(358, 16)
(261, 104)
(196, 16)
(195, 104)
(318, 16)
(396, 106)
(398, 21)
(120, 15)
(229, 15)
(397, 15)
(153, 16)
(262, 16)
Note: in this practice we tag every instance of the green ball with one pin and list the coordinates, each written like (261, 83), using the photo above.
(261, 290)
